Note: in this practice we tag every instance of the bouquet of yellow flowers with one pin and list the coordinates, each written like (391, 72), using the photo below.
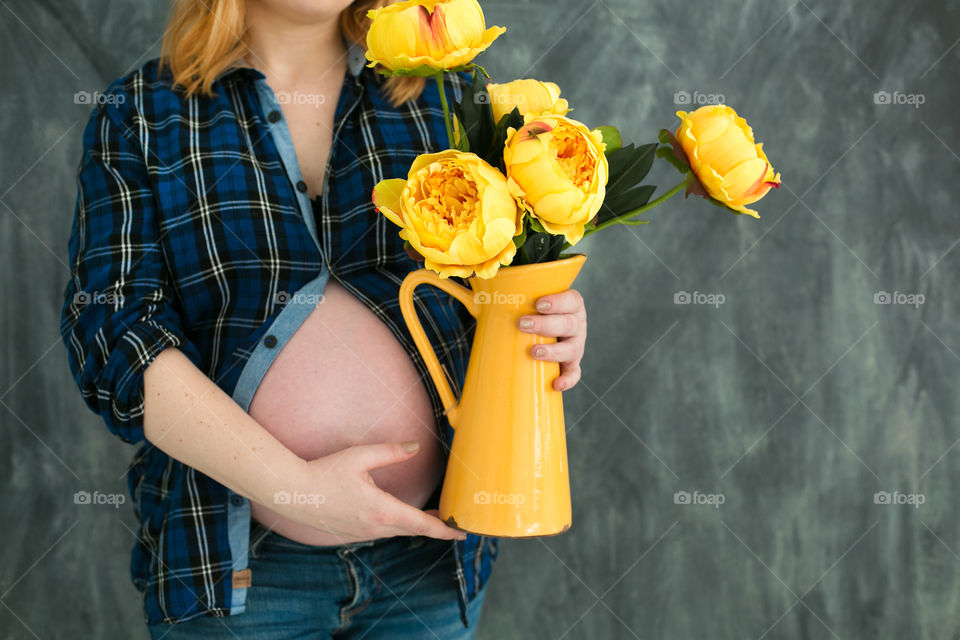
(522, 181)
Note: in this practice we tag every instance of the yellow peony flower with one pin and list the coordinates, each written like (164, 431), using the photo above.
(439, 34)
(719, 147)
(557, 166)
(528, 96)
(456, 211)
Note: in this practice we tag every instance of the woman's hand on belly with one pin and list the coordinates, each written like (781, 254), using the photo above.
(336, 494)
(343, 381)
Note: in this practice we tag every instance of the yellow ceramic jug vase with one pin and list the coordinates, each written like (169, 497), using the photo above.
(507, 472)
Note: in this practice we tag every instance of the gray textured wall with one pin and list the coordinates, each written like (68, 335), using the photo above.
(796, 400)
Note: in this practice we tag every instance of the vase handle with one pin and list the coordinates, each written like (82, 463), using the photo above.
(461, 293)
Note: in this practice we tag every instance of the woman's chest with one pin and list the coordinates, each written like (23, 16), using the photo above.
(238, 231)
(236, 219)
(309, 114)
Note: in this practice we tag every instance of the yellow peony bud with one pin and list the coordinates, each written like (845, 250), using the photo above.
(456, 211)
(719, 147)
(528, 96)
(440, 34)
(557, 166)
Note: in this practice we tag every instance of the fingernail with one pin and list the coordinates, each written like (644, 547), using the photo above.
(539, 352)
(543, 305)
(462, 536)
(526, 323)
(411, 446)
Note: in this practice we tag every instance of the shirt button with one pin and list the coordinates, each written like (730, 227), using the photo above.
(274, 116)
(302, 186)
(270, 341)
(236, 501)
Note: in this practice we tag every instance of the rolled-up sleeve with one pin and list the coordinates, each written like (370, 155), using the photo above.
(119, 308)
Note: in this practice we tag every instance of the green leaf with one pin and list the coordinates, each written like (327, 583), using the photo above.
(512, 119)
(629, 165)
(426, 70)
(667, 154)
(423, 70)
(623, 202)
(541, 247)
(668, 151)
(537, 246)
(611, 137)
(463, 140)
(476, 116)
(520, 239)
(535, 225)
(473, 66)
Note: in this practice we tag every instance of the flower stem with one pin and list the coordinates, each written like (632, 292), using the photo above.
(446, 109)
(623, 218)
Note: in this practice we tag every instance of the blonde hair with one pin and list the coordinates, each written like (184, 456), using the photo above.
(204, 38)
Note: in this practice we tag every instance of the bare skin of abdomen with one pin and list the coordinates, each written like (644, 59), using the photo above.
(343, 379)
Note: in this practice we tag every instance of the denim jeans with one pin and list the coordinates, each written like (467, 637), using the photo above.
(400, 587)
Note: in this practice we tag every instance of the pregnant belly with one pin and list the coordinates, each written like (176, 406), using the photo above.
(343, 379)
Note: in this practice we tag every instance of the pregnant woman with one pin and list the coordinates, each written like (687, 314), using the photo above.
(233, 307)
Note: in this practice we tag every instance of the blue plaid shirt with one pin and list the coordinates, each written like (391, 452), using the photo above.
(193, 229)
